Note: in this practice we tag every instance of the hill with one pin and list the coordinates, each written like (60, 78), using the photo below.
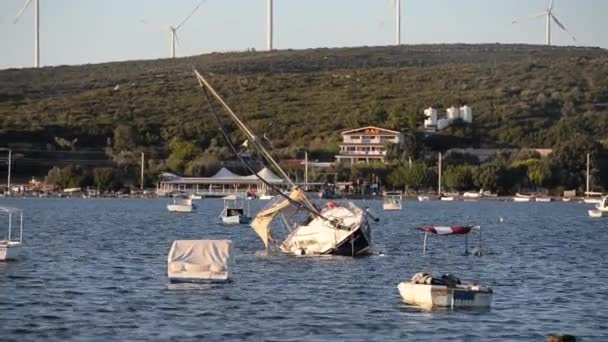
(521, 95)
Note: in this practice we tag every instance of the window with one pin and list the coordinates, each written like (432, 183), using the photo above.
(355, 137)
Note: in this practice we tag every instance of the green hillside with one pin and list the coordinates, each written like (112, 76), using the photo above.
(522, 96)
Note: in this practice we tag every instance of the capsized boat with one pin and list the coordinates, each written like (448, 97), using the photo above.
(199, 261)
(10, 243)
(392, 201)
(234, 210)
(446, 291)
(310, 230)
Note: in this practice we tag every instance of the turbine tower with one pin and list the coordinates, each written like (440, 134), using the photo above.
(549, 14)
(398, 21)
(36, 29)
(269, 25)
(174, 38)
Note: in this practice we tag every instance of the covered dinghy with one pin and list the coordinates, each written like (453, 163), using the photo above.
(199, 261)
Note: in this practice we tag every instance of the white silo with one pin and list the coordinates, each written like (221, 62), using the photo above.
(442, 124)
(431, 116)
(466, 113)
(453, 113)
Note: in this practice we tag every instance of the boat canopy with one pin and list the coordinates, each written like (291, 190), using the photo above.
(10, 210)
(197, 258)
(261, 224)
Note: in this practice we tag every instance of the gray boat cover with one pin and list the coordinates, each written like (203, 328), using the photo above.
(199, 259)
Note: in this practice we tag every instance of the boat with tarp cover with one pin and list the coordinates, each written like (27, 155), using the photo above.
(307, 229)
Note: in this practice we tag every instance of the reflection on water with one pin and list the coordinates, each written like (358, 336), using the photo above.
(96, 269)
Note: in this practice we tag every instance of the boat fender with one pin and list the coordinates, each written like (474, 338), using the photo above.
(331, 205)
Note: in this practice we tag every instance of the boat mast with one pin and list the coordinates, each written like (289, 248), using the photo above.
(587, 187)
(252, 137)
(439, 183)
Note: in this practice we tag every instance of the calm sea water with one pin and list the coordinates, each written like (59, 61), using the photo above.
(95, 269)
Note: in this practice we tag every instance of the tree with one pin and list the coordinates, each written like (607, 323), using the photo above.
(106, 178)
(66, 177)
(539, 172)
(182, 153)
(458, 178)
(409, 176)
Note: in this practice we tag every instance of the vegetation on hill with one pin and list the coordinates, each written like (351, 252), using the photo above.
(522, 96)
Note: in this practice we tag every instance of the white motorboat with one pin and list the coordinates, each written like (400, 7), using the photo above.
(10, 243)
(334, 230)
(566, 199)
(472, 194)
(596, 213)
(447, 198)
(392, 201)
(199, 261)
(265, 197)
(234, 211)
(602, 205)
(195, 197)
(522, 197)
(543, 199)
(181, 205)
(424, 198)
(447, 291)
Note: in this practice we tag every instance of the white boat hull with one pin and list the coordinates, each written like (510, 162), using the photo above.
(9, 250)
(319, 238)
(430, 296)
(179, 208)
(592, 200)
(521, 199)
(391, 206)
(447, 198)
(596, 213)
(423, 198)
(543, 199)
(266, 197)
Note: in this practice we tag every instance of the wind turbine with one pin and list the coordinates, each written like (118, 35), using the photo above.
(173, 29)
(36, 29)
(269, 25)
(548, 13)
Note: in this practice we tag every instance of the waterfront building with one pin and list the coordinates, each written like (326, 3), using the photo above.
(366, 144)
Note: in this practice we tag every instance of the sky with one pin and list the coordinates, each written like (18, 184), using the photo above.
(94, 31)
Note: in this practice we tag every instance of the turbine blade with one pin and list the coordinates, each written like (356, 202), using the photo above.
(22, 10)
(562, 26)
(177, 43)
(552, 5)
(190, 15)
(534, 16)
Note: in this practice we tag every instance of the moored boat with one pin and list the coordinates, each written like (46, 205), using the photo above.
(602, 205)
(199, 261)
(447, 291)
(424, 198)
(596, 213)
(234, 211)
(392, 201)
(10, 244)
(181, 205)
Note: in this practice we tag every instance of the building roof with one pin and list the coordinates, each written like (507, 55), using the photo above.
(370, 130)
(223, 176)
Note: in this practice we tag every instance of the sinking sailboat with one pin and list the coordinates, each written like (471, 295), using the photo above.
(309, 229)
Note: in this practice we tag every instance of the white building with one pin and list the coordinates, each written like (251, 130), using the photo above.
(366, 144)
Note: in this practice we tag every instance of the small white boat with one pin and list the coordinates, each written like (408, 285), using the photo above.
(596, 213)
(392, 201)
(424, 198)
(592, 197)
(566, 199)
(10, 245)
(543, 199)
(472, 194)
(447, 198)
(603, 205)
(234, 211)
(265, 197)
(447, 292)
(522, 198)
(195, 197)
(199, 261)
(181, 205)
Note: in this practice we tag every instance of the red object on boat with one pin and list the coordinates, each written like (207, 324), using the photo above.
(447, 230)
(331, 205)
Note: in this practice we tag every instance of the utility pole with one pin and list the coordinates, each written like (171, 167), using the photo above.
(141, 184)
(8, 178)
(305, 171)
(439, 168)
